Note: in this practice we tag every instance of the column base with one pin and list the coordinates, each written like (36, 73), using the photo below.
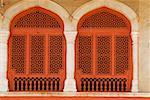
(70, 85)
(4, 85)
(134, 86)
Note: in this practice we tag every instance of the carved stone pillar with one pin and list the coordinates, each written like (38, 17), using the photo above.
(3, 60)
(135, 62)
(70, 83)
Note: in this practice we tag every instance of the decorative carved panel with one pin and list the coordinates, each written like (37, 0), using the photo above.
(36, 52)
(84, 55)
(103, 19)
(36, 19)
(103, 52)
(103, 84)
(121, 54)
(104, 55)
(56, 50)
(18, 50)
(36, 84)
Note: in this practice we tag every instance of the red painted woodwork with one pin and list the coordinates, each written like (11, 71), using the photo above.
(103, 52)
(37, 51)
(71, 97)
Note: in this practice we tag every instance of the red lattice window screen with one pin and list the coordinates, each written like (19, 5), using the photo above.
(18, 57)
(85, 54)
(104, 55)
(37, 52)
(103, 52)
(121, 54)
(56, 56)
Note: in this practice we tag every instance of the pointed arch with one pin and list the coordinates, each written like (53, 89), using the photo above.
(36, 51)
(104, 51)
(112, 4)
(128, 13)
(19, 7)
(25, 4)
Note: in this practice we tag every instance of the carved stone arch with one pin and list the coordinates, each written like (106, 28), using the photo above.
(25, 4)
(37, 17)
(36, 51)
(130, 15)
(112, 4)
(14, 10)
(104, 18)
(104, 52)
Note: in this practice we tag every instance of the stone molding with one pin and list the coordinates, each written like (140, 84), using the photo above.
(70, 31)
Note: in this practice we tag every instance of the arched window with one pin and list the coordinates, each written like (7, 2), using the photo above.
(103, 52)
(37, 51)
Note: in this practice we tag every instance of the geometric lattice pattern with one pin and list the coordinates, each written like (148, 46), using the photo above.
(56, 54)
(18, 45)
(37, 53)
(121, 54)
(36, 19)
(103, 19)
(104, 52)
(84, 56)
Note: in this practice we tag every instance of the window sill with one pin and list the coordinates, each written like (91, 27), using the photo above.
(75, 94)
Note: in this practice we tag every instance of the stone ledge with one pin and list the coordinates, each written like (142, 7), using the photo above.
(75, 94)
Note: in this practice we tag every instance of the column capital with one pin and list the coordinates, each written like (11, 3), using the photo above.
(70, 36)
(4, 34)
(135, 34)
